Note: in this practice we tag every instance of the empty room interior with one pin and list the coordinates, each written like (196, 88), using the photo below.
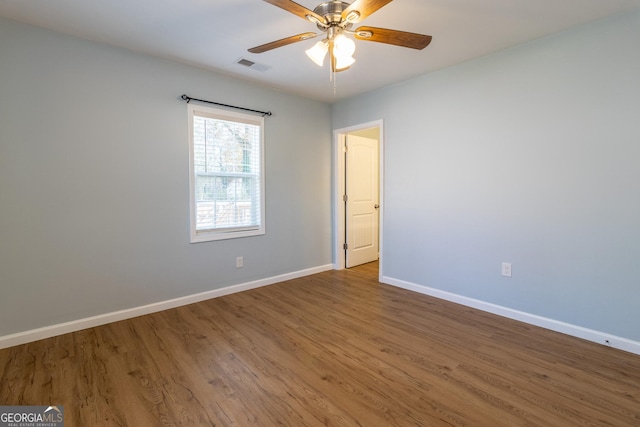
(200, 224)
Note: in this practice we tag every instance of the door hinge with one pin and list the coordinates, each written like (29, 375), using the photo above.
(346, 148)
(345, 198)
(345, 246)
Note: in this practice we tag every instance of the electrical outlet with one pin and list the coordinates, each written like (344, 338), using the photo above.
(506, 269)
(239, 262)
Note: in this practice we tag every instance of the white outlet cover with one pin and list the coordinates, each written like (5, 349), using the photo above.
(506, 269)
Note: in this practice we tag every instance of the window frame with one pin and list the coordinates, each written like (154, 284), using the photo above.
(198, 236)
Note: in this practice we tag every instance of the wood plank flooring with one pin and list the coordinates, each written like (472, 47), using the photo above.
(336, 348)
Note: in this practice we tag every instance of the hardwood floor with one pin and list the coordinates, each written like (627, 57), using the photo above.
(336, 348)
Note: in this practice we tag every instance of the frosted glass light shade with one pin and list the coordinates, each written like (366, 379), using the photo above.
(343, 46)
(318, 52)
(344, 63)
(343, 49)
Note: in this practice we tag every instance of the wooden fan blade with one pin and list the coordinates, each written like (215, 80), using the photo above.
(394, 37)
(296, 9)
(364, 8)
(282, 42)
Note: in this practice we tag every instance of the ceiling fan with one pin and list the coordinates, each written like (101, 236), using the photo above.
(334, 19)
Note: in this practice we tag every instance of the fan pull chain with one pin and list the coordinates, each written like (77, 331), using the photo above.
(333, 78)
(335, 86)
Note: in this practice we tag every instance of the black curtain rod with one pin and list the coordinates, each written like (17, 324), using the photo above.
(188, 99)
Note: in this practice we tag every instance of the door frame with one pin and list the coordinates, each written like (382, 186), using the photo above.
(339, 226)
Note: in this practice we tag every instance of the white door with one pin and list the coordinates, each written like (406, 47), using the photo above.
(362, 182)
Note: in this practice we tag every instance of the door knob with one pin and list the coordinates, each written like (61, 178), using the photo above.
(376, 206)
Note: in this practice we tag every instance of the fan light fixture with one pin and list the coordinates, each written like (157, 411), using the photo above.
(335, 19)
(342, 49)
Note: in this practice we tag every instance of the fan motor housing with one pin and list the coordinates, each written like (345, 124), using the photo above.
(331, 11)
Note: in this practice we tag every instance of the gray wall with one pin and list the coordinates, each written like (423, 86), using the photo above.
(94, 206)
(529, 156)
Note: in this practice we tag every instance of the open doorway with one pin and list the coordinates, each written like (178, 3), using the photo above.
(358, 207)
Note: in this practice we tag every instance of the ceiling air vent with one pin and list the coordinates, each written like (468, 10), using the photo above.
(253, 65)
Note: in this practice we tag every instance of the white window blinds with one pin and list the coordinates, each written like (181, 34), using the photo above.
(226, 153)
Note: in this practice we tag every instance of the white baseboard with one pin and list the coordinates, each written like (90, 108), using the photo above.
(102, 319)
(532, 319)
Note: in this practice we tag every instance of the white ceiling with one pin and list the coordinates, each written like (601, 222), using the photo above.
(214, 34)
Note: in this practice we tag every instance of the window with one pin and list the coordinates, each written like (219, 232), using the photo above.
(226, 174)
